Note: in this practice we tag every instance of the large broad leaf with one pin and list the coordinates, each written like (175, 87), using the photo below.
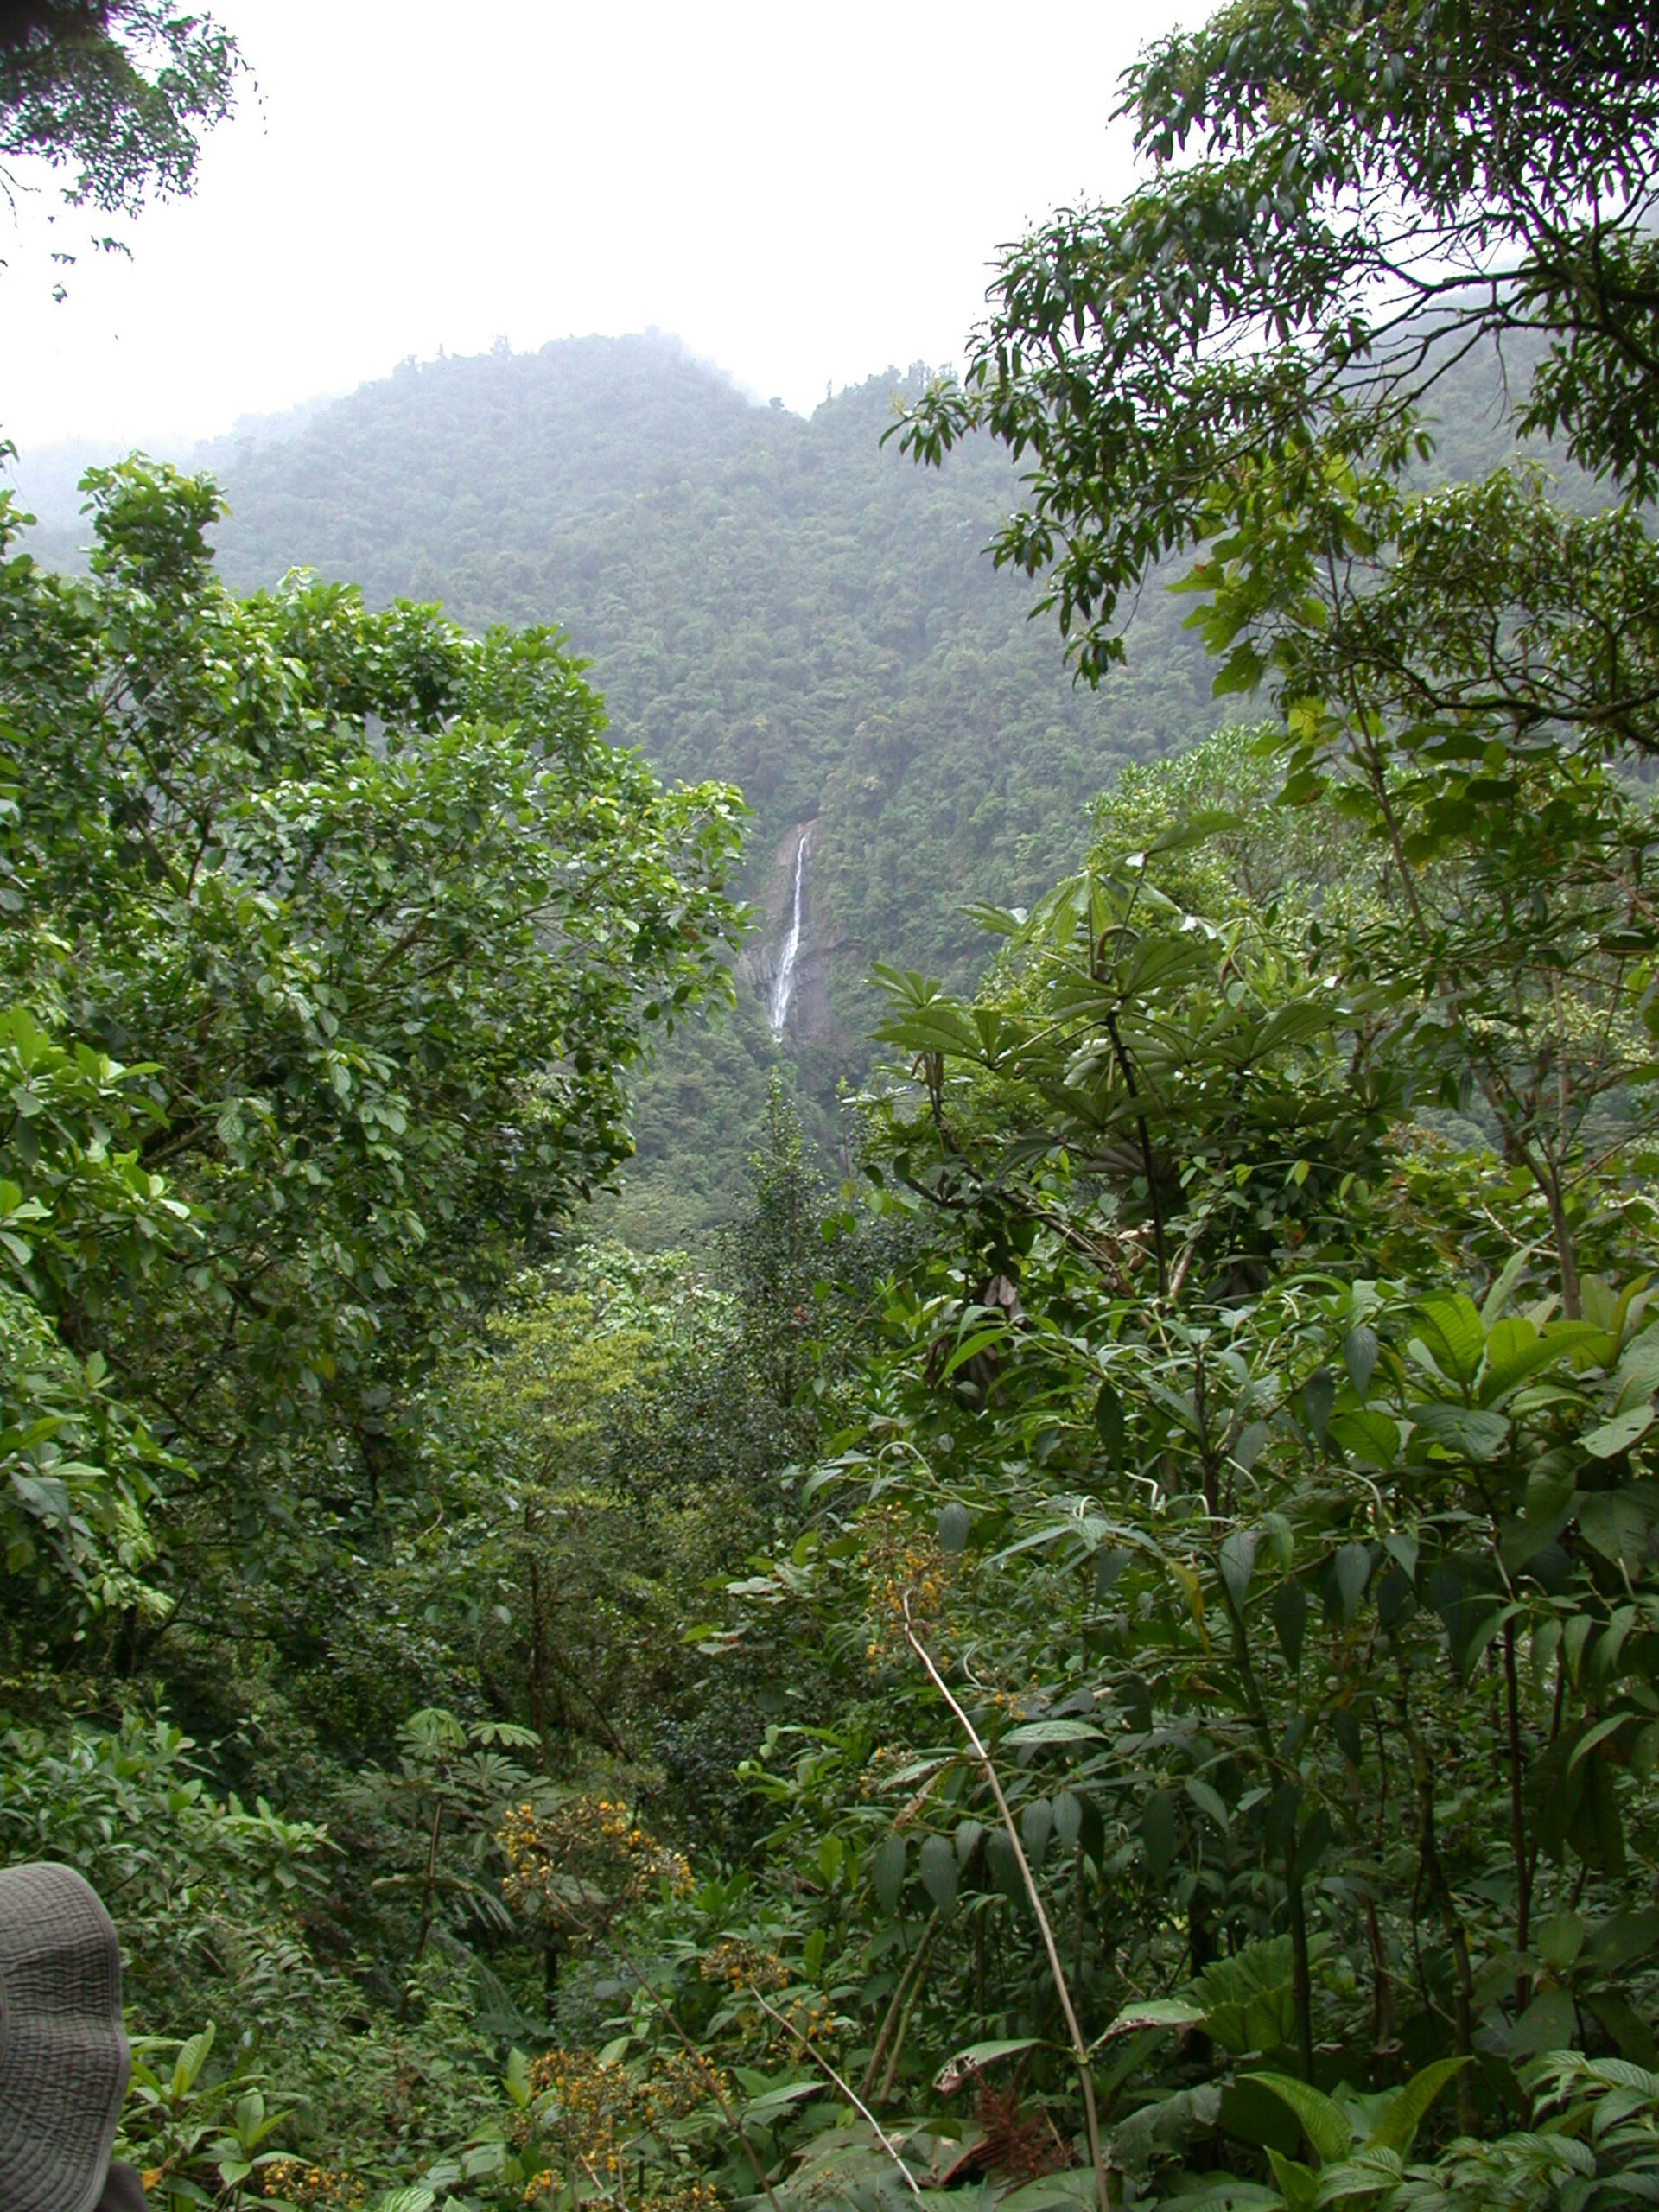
(956, 1526)
(1468, 1431)
(1359, 1350)
(1617, 1523)
(1158, 1833)
(957, 2068)
(1625, 2026)
(1450, 1331)
(887, 1872)
(1363, 2175)
(772, 2103)
(938, 1869)
(1110, 1425)
(1062, 2192)
(1515, 1349)
(1051, 1732)
(1368, 1436)
(1237, 1564)
(1405, 2114)
(1036, 1826)
(1618, 1434)
(1549, 2023)
(1298, 2184)
(1638, 1373)
(1290, 1619)
(1628, 1936)
(1247, 1998)
(1156, 2013)
(1325, 2124)
(1349, 1571)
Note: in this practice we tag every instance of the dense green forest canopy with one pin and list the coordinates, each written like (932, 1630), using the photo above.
(776, 603)
(779, 603)
(1111, 1659)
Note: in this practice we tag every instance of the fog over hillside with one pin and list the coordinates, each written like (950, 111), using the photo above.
(778, 601)
(782, 601)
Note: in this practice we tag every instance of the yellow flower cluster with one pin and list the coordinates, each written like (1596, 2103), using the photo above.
(680, 2082)
(590, 2113)
(582, 1861)
(745, 1966)
(691, 2194)
(902, 1560)
(314, 2189)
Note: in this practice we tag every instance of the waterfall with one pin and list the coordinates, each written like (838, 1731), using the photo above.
(783, 985)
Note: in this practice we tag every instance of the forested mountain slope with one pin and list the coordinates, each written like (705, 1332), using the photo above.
(782, 603)
(785, 603)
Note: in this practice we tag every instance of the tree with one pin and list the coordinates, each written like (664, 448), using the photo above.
(121, 88)
(1343, 206)
(1241, 361)
(378, 924)
(118, 92)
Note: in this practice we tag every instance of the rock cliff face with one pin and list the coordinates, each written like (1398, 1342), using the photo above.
(787, 967)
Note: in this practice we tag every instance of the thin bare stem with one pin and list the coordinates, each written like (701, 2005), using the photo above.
(847, 2091)
(896, 2008)
(1079, 2049)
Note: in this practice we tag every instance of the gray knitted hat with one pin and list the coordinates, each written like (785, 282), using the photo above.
(64, 2059)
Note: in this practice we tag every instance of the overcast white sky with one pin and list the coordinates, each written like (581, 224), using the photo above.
(804, 195)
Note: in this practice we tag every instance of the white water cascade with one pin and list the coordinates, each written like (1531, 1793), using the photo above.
(783, 983)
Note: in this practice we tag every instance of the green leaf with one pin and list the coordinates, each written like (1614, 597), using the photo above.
(1158, 1834)
(1208, 1801)
(1299, 2187)
(1036, 1826)
(1450, 1330)
(1237, 1563)
(1495, 1305)
(970, 1347)
(938, 1871)
(1359, 1350)
(1558, 1940)
(1626, 1936)
(1611, 1437)
(1325, 2124)
(1405, 2113)
(887, 1872)
(1629, 2031)
(1599, 1734)
(1319, 1395)
(1350, 1570)
(1515, 1349)
(1549, 2023)
(193, 2056)
(1156, 2013)
(965, 2062)
(1052, 1731)
(771, 2102)
(1372, 1437)
(1067, 1809)
(1616, 1523)
(1469, 1431)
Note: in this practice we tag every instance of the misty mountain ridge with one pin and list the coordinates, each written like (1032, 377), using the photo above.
(778, 601)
